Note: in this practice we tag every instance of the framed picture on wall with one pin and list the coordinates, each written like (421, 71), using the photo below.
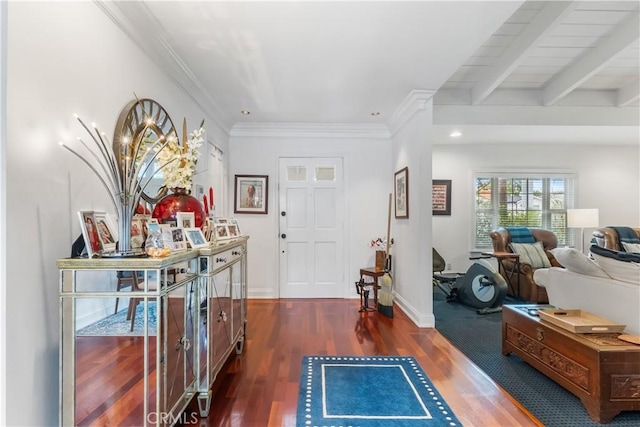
(401, 188)
(441, 197)
(251, 194)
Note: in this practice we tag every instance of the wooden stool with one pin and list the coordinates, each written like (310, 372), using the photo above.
(373, 273)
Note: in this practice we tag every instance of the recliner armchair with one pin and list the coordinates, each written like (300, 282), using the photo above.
(607, 237)
(527, 290)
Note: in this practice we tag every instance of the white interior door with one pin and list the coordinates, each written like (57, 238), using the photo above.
(311, 212)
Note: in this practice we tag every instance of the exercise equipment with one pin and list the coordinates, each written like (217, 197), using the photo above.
(481, 286)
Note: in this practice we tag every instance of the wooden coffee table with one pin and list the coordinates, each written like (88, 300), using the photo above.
(600, 369)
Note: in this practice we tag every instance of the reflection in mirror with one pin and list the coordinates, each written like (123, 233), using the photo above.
(144, 125)
(143, 130)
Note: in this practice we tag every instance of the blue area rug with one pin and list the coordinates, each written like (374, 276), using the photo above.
(374, 391)
(117, 324)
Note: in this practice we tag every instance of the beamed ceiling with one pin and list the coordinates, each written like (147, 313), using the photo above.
(538, 72)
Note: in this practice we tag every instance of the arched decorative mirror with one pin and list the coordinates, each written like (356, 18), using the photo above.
(143, 125)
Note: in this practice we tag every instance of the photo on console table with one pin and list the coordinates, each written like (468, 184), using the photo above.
(90, 233)
(106, 231)
(196, 238)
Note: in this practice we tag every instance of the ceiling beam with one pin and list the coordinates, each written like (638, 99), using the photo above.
(628, 94)
(543, 23)
(592, 62)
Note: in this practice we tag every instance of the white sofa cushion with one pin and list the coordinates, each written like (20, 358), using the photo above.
(574, 260)
(620, 270)
(612, 299)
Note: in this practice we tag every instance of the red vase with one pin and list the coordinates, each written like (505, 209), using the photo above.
(178, 201)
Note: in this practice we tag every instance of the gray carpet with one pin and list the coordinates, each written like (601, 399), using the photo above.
(479, 337)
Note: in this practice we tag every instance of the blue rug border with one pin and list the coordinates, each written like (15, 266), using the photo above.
(439, 409)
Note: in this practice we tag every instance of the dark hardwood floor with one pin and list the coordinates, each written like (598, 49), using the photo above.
(260, 387)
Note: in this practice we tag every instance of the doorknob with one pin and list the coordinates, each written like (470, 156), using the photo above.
(284, 236)
(283, 213)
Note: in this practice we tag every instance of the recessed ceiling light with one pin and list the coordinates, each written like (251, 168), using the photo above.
(455, 134)
(375, 113)
(245, 112)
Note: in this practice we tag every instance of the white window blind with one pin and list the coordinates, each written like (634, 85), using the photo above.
(538, 200)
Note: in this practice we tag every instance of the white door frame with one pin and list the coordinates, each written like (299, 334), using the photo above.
(344, 292)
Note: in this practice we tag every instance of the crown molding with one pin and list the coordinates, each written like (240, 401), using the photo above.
(417, 100)
(310, 130)
(152, 40)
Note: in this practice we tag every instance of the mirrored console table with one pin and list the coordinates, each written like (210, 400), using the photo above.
(144, 363)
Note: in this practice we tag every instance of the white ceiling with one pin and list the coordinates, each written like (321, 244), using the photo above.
(337, 62)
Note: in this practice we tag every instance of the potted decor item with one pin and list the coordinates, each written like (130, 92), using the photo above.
(178, 178)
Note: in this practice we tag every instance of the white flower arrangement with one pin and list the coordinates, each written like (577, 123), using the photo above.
(181, 161)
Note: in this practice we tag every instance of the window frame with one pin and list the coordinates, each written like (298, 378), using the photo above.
(547, 212)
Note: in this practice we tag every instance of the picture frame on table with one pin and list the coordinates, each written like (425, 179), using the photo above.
(186, 219)
(251, 194)
(233, 231)
(173, 237)
(401, 189)
(234, 222)
(139, 230)
(107, 231)
(196, 238)
(92, 241)
(153, 225)
(441, 197)
(220, 231)
(206, 229)
(178, 239)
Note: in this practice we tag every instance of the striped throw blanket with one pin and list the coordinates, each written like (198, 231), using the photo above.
(520, 234)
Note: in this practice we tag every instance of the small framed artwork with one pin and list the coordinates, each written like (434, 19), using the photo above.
(167, 235)
(233, 231)
(90, 233)
(178, 239)
(196, 238)
(186, 219)
(220, 231)
(401, 188)
(251, 194)
(441, 197)
(206, 229)
(106, 231)
(234, 222)
(153, 225)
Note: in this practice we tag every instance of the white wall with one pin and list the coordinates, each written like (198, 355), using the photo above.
(412, 249)
(3, 204)
(608, 179)
(63, 58)
(367, 185)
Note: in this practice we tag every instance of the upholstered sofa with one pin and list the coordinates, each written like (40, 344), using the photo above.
(527, 289)
(607, 237)
(604, 287)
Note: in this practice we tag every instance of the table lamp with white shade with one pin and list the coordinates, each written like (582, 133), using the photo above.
(582, 218)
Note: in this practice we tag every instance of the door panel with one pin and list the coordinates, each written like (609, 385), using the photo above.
(311, 228)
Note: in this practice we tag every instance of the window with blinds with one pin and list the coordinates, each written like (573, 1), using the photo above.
(527, 200)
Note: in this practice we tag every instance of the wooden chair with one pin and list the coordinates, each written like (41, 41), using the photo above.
(126, 279)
